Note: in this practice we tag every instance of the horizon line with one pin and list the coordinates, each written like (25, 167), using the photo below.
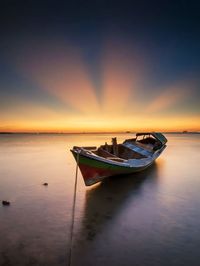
(97, 132)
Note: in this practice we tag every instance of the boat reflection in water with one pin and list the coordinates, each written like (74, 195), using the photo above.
(102, 219)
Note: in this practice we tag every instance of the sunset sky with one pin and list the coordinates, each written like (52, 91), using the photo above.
(90, 66)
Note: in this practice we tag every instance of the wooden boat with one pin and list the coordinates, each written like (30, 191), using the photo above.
(133, 155)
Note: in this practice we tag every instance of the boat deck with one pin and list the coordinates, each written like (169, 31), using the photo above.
(123, 152)
(139, 148)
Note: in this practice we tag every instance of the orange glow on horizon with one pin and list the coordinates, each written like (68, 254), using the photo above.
(119, 124)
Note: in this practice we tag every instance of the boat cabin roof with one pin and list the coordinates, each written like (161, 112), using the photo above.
(159, 136)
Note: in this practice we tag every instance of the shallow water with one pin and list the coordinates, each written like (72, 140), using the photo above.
(150, 218)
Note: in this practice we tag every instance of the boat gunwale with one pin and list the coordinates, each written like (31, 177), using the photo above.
(115, 163)
(99, 158)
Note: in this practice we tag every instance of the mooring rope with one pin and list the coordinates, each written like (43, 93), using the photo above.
(73, 211)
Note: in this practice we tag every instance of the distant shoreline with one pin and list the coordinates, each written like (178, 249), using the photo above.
(81, 133)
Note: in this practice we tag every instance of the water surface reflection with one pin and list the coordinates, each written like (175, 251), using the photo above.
(105, 201)
(104, 207)
(151, 218)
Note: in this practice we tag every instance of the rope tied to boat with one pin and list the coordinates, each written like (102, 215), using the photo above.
(73, 209)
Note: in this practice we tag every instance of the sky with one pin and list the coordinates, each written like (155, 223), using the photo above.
(99, 66)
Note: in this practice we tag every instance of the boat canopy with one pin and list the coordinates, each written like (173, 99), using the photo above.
(158, 136)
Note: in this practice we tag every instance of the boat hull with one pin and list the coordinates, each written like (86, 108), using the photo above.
(94, 170)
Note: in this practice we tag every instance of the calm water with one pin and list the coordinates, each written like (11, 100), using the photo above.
(152, 218)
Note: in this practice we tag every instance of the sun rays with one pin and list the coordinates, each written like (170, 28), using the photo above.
(58, 69)
(168, 98)
(118, 78)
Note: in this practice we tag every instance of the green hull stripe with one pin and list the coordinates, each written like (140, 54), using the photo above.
(103, 165)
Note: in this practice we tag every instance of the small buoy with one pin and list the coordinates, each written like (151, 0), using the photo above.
(45, 184)
(5, 202)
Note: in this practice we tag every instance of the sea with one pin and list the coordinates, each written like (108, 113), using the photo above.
(150, 218)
